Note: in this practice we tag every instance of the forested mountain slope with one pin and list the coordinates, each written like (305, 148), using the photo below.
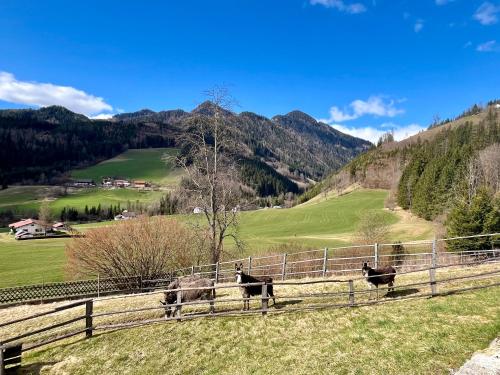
(276, 155)
(428, 171)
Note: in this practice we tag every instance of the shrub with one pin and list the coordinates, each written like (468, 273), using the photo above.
(147, 246)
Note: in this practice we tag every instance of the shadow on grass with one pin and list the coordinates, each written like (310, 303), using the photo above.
(34, 368)
(280, 305)
(402, 293)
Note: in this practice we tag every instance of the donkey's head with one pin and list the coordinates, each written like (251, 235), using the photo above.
(239, 272)
(365, 269)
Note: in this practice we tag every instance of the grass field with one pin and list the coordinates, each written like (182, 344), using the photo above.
(142, 164)
(329, 223)
(22, 199)
(422, 336)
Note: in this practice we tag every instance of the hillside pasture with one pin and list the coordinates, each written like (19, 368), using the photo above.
(416, 336)
(327, 223)
(136, 164)
(23, 199)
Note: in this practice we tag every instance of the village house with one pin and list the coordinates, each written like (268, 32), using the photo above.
(83, 182)
(121, 183)
(28, 228)
(107, 182)
(140, 184)
(126, 215)
(197, 210)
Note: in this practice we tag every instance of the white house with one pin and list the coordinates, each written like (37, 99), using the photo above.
(197, 210)
(28, 228)
(126, 215)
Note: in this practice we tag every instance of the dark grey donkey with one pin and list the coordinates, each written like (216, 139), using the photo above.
(379, 276)
(188, 295)
(252, 290)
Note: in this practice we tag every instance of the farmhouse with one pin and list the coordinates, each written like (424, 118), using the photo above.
(126, 215)
(83, 182)
(197, 210)
(140, 184)
(121, 183)
(28, 227)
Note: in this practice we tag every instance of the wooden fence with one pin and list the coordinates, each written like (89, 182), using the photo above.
(324, 262)
(345, 296)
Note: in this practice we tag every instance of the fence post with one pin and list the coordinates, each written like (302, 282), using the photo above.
(325, 260)
(434, 254)
(192, 270)
(98, 285)
(89, 309)
(2, 361)
(249, 265)
(375, 262)
(265, 299)
(217, 270)
(140, 284)
(351, 292)
(178, 306)
(432, 276)
(283, 267)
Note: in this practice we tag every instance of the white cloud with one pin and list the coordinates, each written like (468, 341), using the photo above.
(490, 46)
(486, 14)
(419, 25)
(45, 94)
(375, 106)
(372, 134)
(102, 116)
(353, 8)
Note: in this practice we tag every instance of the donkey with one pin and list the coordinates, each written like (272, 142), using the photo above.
(204, 293)
(252, 290)
(379, 276)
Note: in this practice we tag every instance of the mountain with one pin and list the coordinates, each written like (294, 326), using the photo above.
(277, 155)
(428, 171)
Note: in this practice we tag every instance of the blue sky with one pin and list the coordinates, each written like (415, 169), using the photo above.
(363, 66)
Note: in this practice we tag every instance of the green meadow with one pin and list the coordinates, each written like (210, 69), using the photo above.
(136, 164)
(328, 223)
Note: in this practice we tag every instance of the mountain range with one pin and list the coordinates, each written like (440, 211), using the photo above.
(284, 153)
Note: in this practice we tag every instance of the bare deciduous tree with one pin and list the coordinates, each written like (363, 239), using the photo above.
(489, 159)
(373, 227)
(212, 183)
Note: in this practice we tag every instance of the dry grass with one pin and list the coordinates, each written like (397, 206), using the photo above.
(414, 336)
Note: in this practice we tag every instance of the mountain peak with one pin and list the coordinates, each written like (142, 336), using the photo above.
(209, 108)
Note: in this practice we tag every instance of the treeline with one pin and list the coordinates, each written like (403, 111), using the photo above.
(265, 180)
(436, 169)
(37, 146)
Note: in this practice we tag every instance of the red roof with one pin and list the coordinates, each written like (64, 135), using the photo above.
(22, 223)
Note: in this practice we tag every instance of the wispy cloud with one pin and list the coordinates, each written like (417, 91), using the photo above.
(375, 106)
(490, 46)
(372, 134)
(487, 13)
(45, 94)
(419, 25)
(340, 5)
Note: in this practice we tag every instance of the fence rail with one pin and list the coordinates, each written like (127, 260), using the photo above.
(348, 293)
(313, 263)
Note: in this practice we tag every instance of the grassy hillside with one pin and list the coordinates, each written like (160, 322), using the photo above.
(20, 199)
(105, 197)
(140, 164)
(425, 336)
(327, 223)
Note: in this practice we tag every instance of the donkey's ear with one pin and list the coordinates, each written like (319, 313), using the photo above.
(241, 265)
(236, 265)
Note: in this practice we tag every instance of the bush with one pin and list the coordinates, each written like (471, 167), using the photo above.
(144, 246)
(373, 227)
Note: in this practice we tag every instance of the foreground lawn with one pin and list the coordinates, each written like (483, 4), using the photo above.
(31, 262)
(143, 164)
(424, 336)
